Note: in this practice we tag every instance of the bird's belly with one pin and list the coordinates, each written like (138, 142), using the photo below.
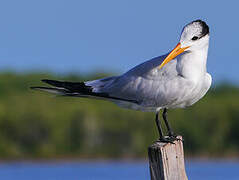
(181, 95)
(138, 107)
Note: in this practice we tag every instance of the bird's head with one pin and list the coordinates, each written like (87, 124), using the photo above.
(195, 36)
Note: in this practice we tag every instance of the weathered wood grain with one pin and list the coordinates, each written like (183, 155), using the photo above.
(166, 161)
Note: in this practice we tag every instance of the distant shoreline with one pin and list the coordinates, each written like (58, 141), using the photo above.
(105, 160)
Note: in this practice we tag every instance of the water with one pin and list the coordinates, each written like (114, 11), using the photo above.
(116, 170)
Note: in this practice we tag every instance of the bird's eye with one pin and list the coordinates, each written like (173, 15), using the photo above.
(194, 38)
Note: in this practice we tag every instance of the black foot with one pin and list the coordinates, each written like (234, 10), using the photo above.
(166, 140)
(174, 137)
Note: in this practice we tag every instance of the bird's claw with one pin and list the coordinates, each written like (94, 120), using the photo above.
(166, 140)
(169, 139)
(174, 137)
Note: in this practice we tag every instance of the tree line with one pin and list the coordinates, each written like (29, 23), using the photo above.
(38, 125)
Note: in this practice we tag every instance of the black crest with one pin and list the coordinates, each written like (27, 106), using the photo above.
(205, 28)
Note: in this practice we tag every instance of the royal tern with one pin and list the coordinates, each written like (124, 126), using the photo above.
(175, 80)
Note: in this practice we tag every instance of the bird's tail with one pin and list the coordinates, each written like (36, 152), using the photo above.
(76, 89)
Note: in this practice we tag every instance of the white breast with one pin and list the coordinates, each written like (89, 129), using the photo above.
(201, 90)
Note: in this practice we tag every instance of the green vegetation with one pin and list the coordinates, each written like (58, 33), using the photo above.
(37, 125)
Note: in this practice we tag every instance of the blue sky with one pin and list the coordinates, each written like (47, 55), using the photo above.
(111, 35)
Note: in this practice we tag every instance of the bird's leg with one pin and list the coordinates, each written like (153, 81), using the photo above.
(161, 137)
(171, 134)
(159, 126)
(165, 118)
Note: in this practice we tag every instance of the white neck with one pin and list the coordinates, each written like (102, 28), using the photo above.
(192, 64)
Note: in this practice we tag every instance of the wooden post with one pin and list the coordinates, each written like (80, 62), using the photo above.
(166, 161)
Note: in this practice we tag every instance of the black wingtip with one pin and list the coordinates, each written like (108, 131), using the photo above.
(46, 80)
(53, 82)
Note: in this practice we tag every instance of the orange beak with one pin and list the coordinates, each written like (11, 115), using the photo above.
(175, 52)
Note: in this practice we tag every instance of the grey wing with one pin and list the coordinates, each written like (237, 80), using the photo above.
(144, 83)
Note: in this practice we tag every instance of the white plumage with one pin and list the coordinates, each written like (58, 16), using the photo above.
(175, 80)
(180, 83)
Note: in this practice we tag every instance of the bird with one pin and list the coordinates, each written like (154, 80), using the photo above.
(177, 79)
